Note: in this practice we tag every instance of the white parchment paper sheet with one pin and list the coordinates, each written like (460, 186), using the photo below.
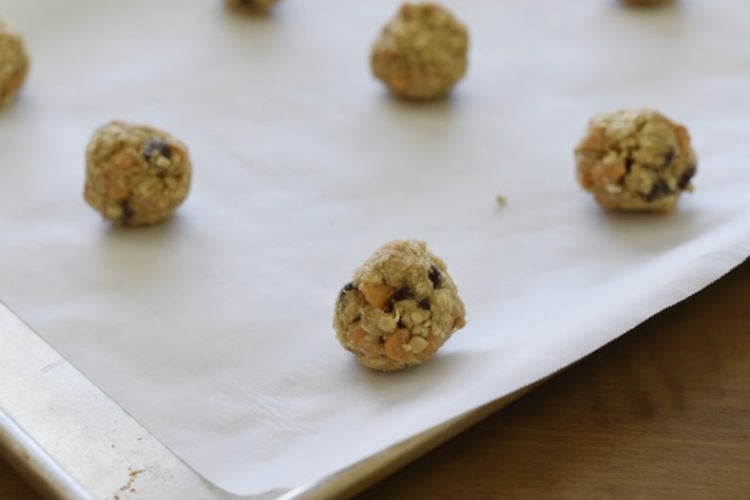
(214, 329)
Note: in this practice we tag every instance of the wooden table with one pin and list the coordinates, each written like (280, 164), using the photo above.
(663, 412)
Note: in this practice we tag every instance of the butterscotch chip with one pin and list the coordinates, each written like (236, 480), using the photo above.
(251, 6)
(376, 294)
(135, 175)
(636, 160)
(14, 64)
(399, 309)
(422, 53)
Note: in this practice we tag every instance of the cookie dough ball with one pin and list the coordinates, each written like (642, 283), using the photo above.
(251, 6)
(421, 54)
(135, 175)
(14, 64)
(636, 160)
(399, 309)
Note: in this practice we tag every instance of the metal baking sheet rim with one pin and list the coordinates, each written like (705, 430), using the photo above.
(71, 441)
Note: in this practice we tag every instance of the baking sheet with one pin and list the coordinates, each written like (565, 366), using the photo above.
(214, 330)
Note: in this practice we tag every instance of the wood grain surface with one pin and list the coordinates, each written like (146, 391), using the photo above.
(663, 412)
(12, 486)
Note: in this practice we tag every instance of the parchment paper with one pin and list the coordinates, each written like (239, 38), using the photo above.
(214, 329)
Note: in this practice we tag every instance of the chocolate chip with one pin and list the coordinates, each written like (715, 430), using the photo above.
(684, 181)
(668, 158)
(424, 304)
(127, 212)
(435, 277)
(403, 293)
(347, 288)
(156, 145)
(660, 190)
(628, 164)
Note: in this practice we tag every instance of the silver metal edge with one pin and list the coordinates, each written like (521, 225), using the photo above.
(37, 466)
(70, 440)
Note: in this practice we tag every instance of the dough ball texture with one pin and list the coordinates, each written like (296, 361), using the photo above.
(422, 53)
(399, 309)
(636, 160)
(135, 175)
(14, 64)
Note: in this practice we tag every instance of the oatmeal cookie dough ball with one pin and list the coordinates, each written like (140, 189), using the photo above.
(14, 64)
(135, 175)
(636, 160)
(421, 54)
(399, 309)
(251, 6)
